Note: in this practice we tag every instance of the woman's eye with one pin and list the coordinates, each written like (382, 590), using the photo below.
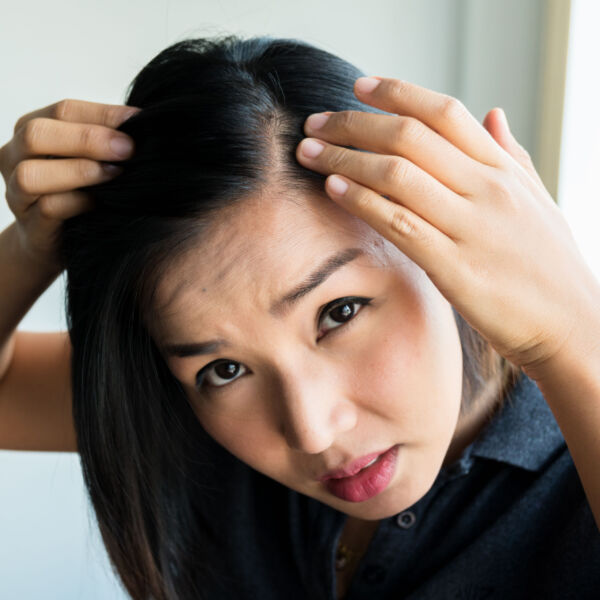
(339, 312)
(220, 373)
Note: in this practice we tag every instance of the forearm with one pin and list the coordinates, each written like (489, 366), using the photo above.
(22, 281)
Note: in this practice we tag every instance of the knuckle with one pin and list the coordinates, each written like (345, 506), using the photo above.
(109, 116)
(500, 192)
(498, 187)
(363, 201)
(402, 223)
(89, 138)
(394, 170)
(20, 122)
(24, 177)
(87, 169)
(106, 114)
(47, 206)
(406, 128)
(525, 154)
(12, 200)
(63, 109)
(12, 207)
(397, 88)
(31, 133)
(345, 120)
(338, 160)
(451, 108)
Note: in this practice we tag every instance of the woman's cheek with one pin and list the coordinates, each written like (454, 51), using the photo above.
(407, 368)
(385, 377)
(241, 437)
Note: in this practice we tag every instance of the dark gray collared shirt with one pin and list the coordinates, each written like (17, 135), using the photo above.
(508, 520)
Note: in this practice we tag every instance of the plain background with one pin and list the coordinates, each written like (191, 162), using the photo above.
(484, 52)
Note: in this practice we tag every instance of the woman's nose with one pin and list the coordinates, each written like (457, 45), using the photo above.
(314, 413)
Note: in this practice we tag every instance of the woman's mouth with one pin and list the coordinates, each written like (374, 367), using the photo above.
(371, 480)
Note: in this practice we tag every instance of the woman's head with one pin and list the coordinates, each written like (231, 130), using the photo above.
(297, 379)
(209, 234)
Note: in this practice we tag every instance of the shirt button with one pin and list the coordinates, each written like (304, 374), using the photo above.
(406, 519)
(374, 574)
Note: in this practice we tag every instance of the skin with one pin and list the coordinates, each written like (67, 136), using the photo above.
(308, 404)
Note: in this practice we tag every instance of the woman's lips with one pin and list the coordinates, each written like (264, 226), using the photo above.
(367, 482)
(353, 468)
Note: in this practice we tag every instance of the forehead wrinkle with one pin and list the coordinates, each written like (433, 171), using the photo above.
(225, 250)
(228, 233)
(216, 241)
(236, 243)
(230, 245)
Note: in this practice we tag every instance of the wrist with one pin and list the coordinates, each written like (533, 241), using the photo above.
(40, 262)
(579, 354)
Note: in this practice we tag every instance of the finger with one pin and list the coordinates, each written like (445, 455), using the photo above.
(444, 114)
(42, 137)
(433, 251)
(495, 122)
(395, 177)
(82, 111)
(33, 178)
(64, 206)
(401, 136)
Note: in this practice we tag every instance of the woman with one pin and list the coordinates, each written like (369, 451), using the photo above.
(284, 389)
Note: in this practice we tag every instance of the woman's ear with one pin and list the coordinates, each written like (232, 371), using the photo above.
(497, 125)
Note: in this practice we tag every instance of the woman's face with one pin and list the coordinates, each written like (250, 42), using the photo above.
(300, 385)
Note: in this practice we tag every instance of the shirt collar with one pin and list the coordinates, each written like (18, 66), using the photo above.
(524, 433)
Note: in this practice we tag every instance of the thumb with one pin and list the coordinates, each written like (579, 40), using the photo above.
(497, 126)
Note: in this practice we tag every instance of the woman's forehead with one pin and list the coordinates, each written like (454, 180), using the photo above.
(265, 241)
(260, 249)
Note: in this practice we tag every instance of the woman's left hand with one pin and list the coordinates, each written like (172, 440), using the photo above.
(466, 204)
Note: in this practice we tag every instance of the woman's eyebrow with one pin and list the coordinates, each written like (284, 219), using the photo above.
(194, 348)
(278, 308)
(316, 278)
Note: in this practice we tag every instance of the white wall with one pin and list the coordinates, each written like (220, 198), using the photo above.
(499, 58)
(579, 187)
(482, 51)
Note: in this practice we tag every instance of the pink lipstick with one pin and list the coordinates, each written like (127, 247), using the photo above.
(366, 481)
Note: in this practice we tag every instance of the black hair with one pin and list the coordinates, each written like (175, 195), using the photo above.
(220, 121)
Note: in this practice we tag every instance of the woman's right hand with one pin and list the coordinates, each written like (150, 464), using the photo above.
(55, 151)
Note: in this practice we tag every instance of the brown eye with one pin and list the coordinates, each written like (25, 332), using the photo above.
(220, 373)
(344, 312)
(341, 311)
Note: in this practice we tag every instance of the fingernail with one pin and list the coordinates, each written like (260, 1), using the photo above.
(311, 148)
(337, 185)
(121, 146)
(365, 85)
(111, 169)
(128, 114)
(317, 120)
